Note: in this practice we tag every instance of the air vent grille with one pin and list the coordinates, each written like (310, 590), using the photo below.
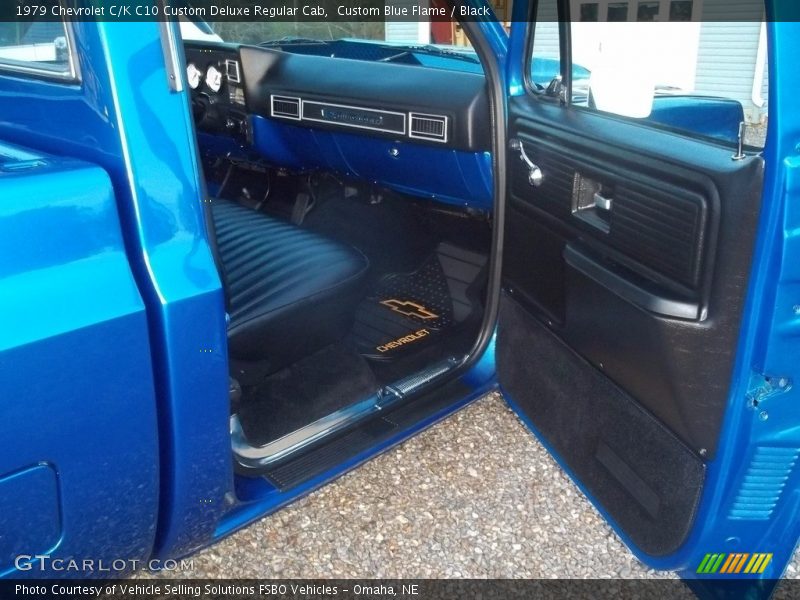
(428, 127)
(286, 106)
(232, 71)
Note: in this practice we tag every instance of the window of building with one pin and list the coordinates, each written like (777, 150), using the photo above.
(642, 10)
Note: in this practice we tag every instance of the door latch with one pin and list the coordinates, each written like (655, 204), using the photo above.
(535, 175)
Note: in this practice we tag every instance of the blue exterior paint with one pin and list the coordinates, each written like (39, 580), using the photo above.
(149, 158)
(716, 118)
(180, 284)
(517, 49)
(77, 398)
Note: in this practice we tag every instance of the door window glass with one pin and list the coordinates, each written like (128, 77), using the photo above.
(663, 63)
(36, 47)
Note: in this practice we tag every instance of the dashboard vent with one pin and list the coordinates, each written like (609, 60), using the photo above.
(428, 127)
(286, 106)
(232, 71)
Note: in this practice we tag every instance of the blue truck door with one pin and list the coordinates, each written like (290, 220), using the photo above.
(79, 464)
(648, 335)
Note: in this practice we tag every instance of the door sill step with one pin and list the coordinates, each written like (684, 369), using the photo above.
(259, 457)
(369, 437)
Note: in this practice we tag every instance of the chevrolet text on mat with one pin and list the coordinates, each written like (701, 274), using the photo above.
(242, 255)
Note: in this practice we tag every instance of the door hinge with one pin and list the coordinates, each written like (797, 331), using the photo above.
(765, 387)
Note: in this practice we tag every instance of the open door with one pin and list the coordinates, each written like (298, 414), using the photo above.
(645, 281)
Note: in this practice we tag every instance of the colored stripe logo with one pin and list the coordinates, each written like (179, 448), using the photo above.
(731, 564)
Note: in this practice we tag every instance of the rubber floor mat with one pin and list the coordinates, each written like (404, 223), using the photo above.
(409, 311)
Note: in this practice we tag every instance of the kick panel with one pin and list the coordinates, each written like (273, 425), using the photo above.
(641, 474)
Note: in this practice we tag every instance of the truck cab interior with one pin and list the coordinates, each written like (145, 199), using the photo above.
(349, 209)
(302, 251)
(356, 222)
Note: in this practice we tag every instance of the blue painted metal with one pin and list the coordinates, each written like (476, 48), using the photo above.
(77, 397)
(450, 176)
(30, 514)
(717, 118)
(124, 118)
(517, 49)
(751, 501)
(545, 68)
(176, 272)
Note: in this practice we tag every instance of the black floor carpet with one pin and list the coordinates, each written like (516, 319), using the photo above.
(391, 234)
(396, 232)
(310, 389)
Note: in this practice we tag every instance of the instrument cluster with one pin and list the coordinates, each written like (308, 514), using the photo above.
(214, 75)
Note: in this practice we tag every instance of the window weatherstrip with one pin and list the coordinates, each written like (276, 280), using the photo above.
(71, 75)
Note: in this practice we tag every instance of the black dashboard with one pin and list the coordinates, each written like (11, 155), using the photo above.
(378, 98)
(397, 101)
(419, 130)
(215, 77)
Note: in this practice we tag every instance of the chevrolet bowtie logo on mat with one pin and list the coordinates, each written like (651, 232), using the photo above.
(731, 564)
(409, 309)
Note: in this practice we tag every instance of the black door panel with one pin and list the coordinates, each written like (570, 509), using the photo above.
(621, 310)
(629, 286)
(650, 290)
(647, 480)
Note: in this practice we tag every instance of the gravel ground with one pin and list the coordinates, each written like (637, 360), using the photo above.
(475, 496)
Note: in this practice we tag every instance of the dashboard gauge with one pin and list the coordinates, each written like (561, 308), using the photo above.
(193, 75)
(214, 78)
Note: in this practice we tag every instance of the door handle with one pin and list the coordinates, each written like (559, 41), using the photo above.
(602, 202)
(535, 175)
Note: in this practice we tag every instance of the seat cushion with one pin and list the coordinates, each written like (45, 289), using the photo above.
(290, 292)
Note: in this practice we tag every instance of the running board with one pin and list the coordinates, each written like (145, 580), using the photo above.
(257, 457)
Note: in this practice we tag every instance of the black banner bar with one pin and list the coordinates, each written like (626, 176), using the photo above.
(391, 589)
(313, 10)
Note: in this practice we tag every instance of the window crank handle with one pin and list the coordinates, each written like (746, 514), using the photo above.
(535, 175)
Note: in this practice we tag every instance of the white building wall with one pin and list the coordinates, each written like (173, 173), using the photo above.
(716, 56)
(728, 51)
(545, 42)
(726, 61)
(408, 31)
